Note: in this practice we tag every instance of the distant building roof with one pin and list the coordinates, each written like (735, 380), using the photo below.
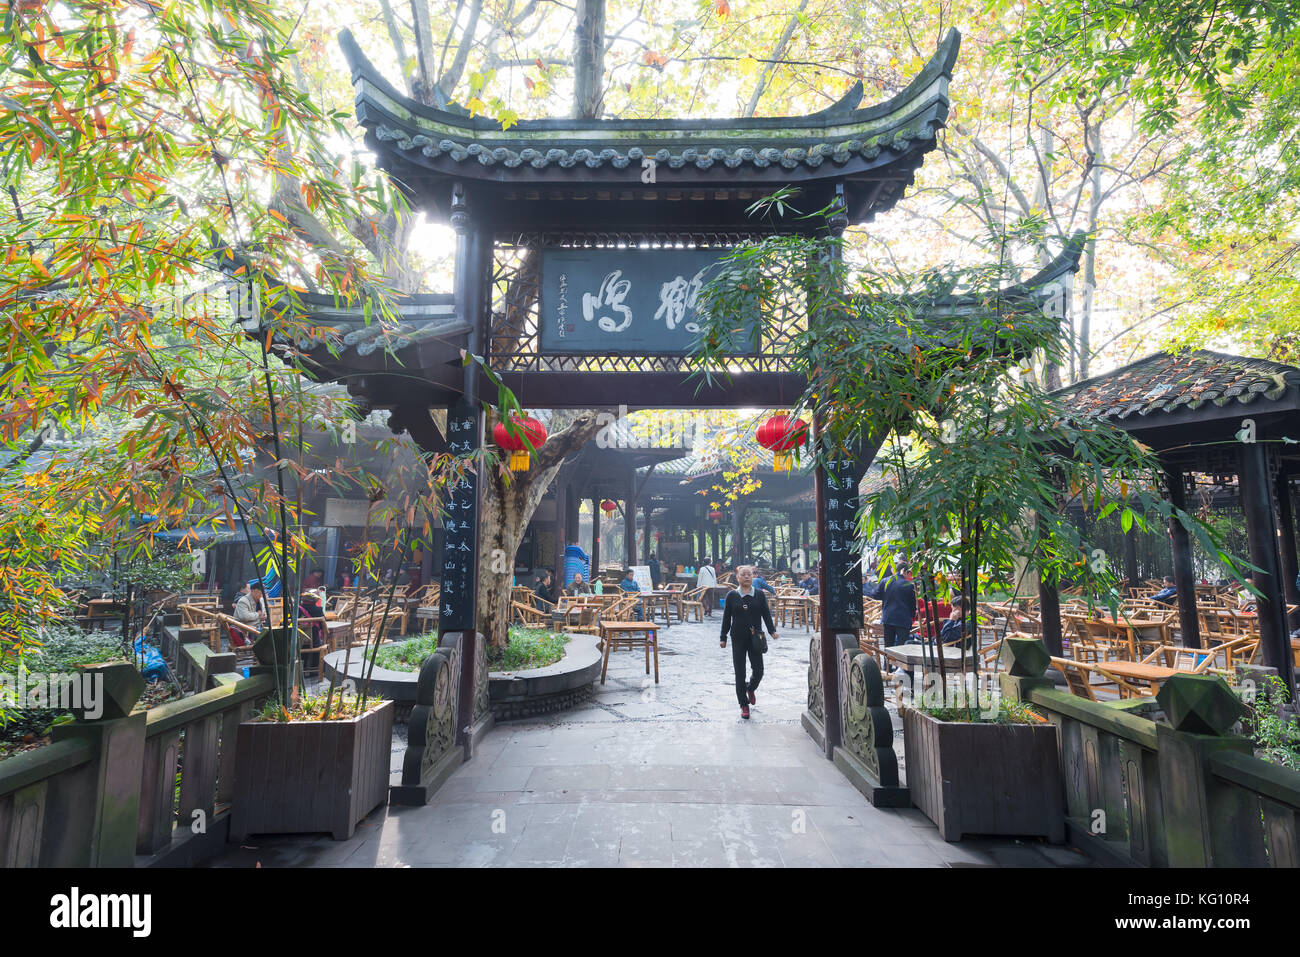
(1164, 383)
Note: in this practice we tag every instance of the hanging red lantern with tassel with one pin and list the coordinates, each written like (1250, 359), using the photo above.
(608, 507)
(715, 516)
(781, 434)
(510, 439)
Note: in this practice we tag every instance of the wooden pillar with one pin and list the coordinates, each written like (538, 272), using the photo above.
(1261, 529)
(716, 535)
(737, 534)
(645, 542)
(572, 517)
(1049, 601)
(561, 527)
(1184, 577)
(1131, 556)
(629, 529)
(595, 537)
(1287, 545)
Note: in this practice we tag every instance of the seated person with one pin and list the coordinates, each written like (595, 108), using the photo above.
(250, 608)
(1167, 595)
(809, 583)
(312, 634)
(629, 584)
(545, 589)
(579, 586)
(953, 629)
(761, 583)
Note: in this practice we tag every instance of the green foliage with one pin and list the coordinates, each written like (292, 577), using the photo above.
(1008, 711)
(407, 655)
(64, 647)
(1276, 737)
(312, 708)
(528, 648)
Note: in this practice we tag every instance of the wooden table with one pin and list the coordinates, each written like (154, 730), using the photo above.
(913, 655)
(655, 600)
(339, 633)
(1136, 632)
(1138, 671)
(627, 632)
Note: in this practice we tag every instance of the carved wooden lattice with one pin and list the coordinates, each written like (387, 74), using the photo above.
(514, 343)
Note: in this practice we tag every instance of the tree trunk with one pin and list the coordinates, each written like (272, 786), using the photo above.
(508, 503)
(589, 59)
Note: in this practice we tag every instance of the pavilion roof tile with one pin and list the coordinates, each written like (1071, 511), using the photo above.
(1167, 382)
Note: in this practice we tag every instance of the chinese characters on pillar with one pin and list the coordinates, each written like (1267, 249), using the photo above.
(460, 527)
(839, 549)
(630, 301)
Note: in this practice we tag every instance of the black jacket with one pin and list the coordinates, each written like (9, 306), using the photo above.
(546, 592)
(742, 622)
(898, 601)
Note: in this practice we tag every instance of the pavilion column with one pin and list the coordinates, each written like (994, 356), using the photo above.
(737, 534)
(1131, 556)
(1261, 530)
(717, 544)
(1049, 606)
(645, 542)
(1287, 545)
(572, 517)
(561, 526)
(595, 537)
(1184, 576)
(629, 530)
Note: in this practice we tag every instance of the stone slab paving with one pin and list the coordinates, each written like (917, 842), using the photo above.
(648, 775)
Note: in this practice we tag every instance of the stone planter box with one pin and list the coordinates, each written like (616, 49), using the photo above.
(311, 776)
(971, 778)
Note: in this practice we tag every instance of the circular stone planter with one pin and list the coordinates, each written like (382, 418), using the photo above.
(557, 687)
(512, 694)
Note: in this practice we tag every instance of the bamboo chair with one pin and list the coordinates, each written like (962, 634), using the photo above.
(1194, 660)
(530, 615)
(205, 620)
(239, 639)
(1078, 677)
(691, 603)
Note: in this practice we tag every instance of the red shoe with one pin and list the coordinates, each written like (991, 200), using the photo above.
(744, 711)
(752, 699)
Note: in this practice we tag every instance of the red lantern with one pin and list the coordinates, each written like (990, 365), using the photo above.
(509, 438)
(715, 517)
(609, 507)
(780, 434)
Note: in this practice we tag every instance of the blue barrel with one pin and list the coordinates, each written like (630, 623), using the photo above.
(575, 561)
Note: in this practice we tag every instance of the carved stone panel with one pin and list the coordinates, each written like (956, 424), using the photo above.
(867, 727)
(815, 707)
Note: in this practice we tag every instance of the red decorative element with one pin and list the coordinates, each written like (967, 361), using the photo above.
(781, 433)
(608, 506)
(715, 516)
(509, 438)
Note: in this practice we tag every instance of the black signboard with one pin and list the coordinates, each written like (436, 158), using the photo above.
(630, 301)
(460, 527)
(838, 552)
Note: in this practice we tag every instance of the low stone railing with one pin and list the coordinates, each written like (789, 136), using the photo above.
(105, 790)
(1187, 793)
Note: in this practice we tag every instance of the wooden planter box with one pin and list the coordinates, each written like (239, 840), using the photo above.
(985, 778)
(311, 776)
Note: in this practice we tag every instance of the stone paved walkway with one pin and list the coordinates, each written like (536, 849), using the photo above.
(652, 775)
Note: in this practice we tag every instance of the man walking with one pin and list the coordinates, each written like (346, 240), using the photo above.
(744, 614)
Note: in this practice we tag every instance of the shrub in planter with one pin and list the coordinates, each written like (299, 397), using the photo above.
(295, 773)
(996, 774)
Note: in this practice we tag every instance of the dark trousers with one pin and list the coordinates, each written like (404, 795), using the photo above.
(739, 649)
(897, 635)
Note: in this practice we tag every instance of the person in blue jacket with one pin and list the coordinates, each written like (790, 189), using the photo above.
(897, 596)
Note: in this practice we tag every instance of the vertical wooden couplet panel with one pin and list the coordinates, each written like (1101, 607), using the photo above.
(840, 585)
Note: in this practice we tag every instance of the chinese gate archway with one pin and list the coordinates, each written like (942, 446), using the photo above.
(580, 245)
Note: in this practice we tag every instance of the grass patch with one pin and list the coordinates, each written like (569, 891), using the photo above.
(528, 648)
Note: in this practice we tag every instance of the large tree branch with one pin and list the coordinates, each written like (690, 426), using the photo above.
(777, 50)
